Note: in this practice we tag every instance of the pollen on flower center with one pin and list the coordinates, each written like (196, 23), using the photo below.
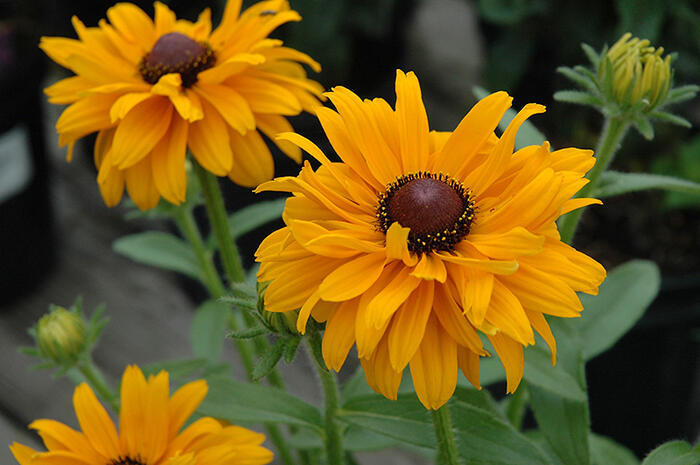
(176, 53)
(438, 210)
(125, 461)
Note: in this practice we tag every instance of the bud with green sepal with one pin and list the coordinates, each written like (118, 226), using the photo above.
(631, 81)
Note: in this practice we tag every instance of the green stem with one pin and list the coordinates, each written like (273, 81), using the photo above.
(188, 227)
(95, 379)
(218, 219)
(614, 131)
(334, 437)
(447, 450)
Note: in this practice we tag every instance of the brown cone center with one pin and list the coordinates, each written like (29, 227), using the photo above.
(426, 205)
(176, 53)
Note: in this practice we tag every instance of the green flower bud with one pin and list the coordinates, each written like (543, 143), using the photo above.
(638, 72)
(61, 335)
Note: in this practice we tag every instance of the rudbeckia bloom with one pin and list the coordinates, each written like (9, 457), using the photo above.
(419, 241)
(153, 89)
(149, 430)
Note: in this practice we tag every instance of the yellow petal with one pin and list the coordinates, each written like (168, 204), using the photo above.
(164, 19)
(509, 245)
(156, 431)
(387, 301)
(412, 122)
(451, 318)
(67, 90)
(506, 313)
(85, 116)
(430, 267)
(132, 421)
(511, 354)
(540, 324)
(95, 423)
(168, 162)
(234, 65)
(575, 204)
(57, 436)
(271, 125)
(479, 287)
(141, 186)
(22, 453)
(472, 132)
(352, 278)
(208, 139)
(339, 335)
(184, 402)
(434, 367)
(125, 103)
(110, 181)
(491, 266)
(170, 86)
(229, 103)
(544, 292)
(264, 96)
(470, 365)
(397, 244)
(252, 163)
(133, 24)
(408, 326)
(140, 130)
(380, 375)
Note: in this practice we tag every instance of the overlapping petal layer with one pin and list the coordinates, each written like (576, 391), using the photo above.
(145, 129)
(427, 309)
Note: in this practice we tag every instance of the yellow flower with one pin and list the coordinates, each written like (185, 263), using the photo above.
(419, 241)
(152, 89)
(149, 430)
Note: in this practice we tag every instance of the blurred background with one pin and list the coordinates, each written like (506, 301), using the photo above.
(56, 234)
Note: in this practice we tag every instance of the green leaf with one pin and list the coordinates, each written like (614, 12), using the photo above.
(540, 372)
(290, 348)
(238, 402)
(528, 133)
(404, 419)
(673, 453)
(565, 423)
(671, 118)
(268, 361)
(208, 330)
(483, 436)
(592, 55)
(578, 97)
(644, 127)
(616, 183)
(159, 249)
(579, 78)
(248, 333)
(244, 303)
(354, 440)
(605, 451)
(624, 296)
(251, 217)
(681, 94)
(355, 386)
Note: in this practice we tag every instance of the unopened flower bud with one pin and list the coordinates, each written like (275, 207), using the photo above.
(280, 322)
(61, 335)
(638, 72)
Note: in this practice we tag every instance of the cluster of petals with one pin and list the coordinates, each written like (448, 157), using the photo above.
(144, 129)
(430, 311)
(149, 430)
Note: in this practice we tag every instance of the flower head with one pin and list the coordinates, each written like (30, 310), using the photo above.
(149, 430)
(61, 335)
(419, 241)
(151, 89)
(638, 72)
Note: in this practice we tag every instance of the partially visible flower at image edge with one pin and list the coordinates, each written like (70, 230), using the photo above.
(151, 89)
(149, 430)
(420, 240)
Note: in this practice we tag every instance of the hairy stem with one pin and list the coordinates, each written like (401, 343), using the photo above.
(447, 450)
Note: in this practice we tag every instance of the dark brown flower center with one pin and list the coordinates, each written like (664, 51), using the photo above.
(176, 53)
(438, 210)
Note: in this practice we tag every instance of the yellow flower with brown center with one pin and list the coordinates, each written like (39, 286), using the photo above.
(419, 241)
(149, 430)
(151, 89)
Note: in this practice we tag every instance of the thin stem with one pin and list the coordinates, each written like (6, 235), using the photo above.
(218, 219)
(447, 450)
(188, 227)
(334, 436)
(614, 131)
(95, 379)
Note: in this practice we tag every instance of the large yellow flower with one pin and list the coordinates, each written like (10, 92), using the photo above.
(419, 241)
(152, 89)
(149, 430)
